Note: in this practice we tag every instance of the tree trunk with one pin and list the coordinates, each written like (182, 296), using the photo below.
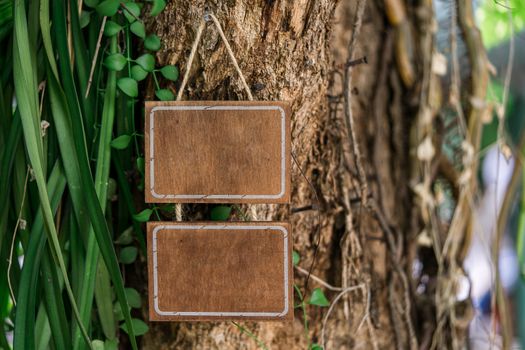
(368, 222)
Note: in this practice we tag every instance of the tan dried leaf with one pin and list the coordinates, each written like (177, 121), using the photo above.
(425, 150)
(439, 64)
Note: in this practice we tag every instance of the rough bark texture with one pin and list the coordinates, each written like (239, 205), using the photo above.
(294, 51)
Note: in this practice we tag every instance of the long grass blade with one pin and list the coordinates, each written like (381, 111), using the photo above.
(27, 100)
(26, 298)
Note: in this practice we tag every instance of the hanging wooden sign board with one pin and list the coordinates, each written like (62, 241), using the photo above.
(219, 271)
(217, 152)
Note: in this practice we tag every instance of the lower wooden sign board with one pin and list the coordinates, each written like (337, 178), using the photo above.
(220, 271)
(217, 152)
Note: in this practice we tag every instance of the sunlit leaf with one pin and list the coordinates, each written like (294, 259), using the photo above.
(318, 298)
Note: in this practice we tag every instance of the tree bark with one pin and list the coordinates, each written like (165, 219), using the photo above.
(297, 51)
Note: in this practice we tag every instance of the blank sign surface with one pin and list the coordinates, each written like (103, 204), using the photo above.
(212, 271)
(219, 152)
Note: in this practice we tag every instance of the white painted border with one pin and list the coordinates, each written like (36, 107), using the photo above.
(217, 196)
(159, 312)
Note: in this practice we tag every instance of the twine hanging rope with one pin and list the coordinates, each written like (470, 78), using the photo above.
(206, 18)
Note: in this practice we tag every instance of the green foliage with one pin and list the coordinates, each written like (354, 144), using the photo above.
(112, 28)
(121, 142)
(295, 257)
(138, 325)
(138, 29)
(115, 62)
(69, 291)
(143, 216)
(220, 213)
(493, 17)
(158, 6)
(128, 255)
(146, 61)
(138, 73)
(170, 72)
(318, 298)
(108, 7)
(128, 86)
(152, 42)
(164, 95)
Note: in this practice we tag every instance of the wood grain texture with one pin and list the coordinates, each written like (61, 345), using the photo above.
(217, 152)
(205, 271)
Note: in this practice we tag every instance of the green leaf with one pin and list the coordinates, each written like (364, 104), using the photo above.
(152, 42)
(139, 327)
(143, 216)
(128, 255)
(85, 17)
(158, 6)
(91, 3)
(121, 142)
(115, 62)
(112, 28)
(318, 298)
(138, 29)
(220, 213)
(108, 7)
(170, 72)
(316, 346)
(134, 299)
(117, 310)
(134, 8)
(295, 257)
(97, 344)
(128, 86)
(125, 237)
(164, 95)
(111, 344)
(140, 165)
(138, 73)
(146, 61)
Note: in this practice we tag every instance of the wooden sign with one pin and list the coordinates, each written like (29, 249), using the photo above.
(218, 152)
(219, 271)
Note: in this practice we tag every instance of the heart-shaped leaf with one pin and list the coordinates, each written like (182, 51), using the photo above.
(121, 142)
(85, 18)
(133, 297)
(131, 11)
(164, 95)
(138, 73)
(128, 255)
(143, 216)
(112, 28)
(152, 42)
(108, 7)
(125, 237)
(170, 72)
(157, 7)
(139, 327)
(138, 29)
(115, 62)
(146, 61)
(318, 298)
(128, 86)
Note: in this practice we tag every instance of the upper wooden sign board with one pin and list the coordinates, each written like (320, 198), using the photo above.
(220, 271)
(217, 152)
